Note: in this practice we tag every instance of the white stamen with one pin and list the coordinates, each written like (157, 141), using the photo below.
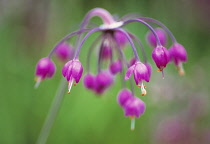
(181, 69)
(143, 90)
(70, 85)
(38, 81)
(132, 123)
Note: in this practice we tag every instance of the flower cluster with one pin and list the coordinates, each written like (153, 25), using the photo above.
(111, 58)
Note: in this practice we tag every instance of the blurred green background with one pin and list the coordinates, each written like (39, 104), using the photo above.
(30, 28)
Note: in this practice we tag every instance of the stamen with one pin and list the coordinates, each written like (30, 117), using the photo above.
(132, 122)
(163, 74)
(180, 69)
(143, 90)
(38, 80)
(70, 85)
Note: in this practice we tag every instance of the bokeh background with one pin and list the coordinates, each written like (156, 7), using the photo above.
(177, 107)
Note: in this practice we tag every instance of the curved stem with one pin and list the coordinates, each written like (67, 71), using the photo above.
(146, 24)
(56, 104)
(83, 40)
(102, 13)
(141, 46)
(66, 38)
(99, 56)
(90, 52)
(160, 24)
(131, 42)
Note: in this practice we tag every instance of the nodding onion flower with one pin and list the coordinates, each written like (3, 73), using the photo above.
(111, 59)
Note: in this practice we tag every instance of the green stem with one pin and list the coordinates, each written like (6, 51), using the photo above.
(55, 106)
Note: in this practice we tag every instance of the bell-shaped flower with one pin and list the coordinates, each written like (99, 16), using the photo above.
(72, 71)
(45, 68)
(178, 55)
(151, 39)
(64, 51)
(116, 67)
(123, 96)
(161, 57)
(103, 81)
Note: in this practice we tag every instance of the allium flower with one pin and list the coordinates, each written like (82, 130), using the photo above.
(89, 81)
(110, 42)
(120, 38)
(161, 57)
(178, 55)
(64, 51)
(45, 68)
(123, 96)
(106, 51)
(134, 107)
(116, 67)
(161, 34)
(141, 73)
(103, 81)
(72, 71)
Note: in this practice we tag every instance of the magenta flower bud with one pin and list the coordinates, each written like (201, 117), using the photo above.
(116, 67)
(106, 52)
(140, 71)
(72, 71)
(120, 38)
(178, 55)
(89, 81)
(103, 81)
(134, 107)
(45, 68)
(161, 57)
(161, 35)
(64, 51)
(123, 97)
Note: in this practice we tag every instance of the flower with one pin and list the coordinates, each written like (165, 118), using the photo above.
(161, 34)
(134, 107)
(120, 38)
(113, 36)
(141, 73)
(103, 81)
(72, 71)
(116, 67)
(161, 57)
(123, 96)
(64, 51)
(45, 68)
(89, 81)
(178, 55)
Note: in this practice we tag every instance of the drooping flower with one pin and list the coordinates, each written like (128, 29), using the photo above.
(103, 81)
(134, 107)
(161, 34)
(64, 51)
(161, 57)
(120, 38)
(141, 73)
(45, 68)
(123, 96)
(116, 67)
(178, 55)
(72, 71)
(89, 81)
